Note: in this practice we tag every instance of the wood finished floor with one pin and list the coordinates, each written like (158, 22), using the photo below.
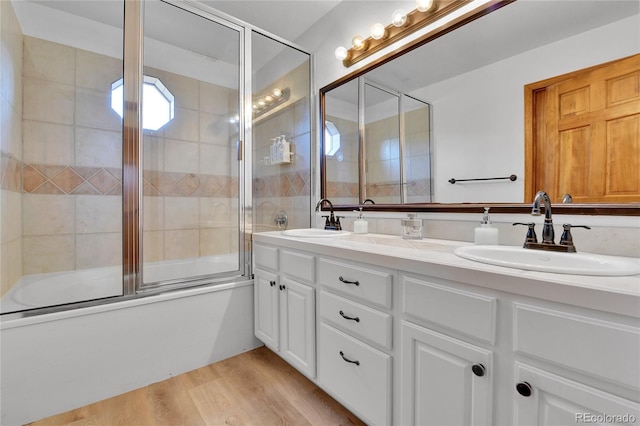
(254, 388)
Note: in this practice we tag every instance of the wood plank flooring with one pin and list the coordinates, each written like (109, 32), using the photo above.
(254, 388)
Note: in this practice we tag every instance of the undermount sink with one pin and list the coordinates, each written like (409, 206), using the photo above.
(547, 261)
(313, 233)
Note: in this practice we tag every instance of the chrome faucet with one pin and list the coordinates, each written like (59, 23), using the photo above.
(548, 235)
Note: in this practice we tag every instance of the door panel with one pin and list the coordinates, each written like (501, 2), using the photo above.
(586, 135)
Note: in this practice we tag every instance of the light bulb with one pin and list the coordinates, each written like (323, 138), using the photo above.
(277, 92)
(261, 102)
(268, 98)
(377, 31)
(424, 5)
(358, 42)
(398, 18)
(341, 53)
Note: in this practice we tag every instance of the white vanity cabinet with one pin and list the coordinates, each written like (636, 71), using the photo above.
(446, 380)
(412, 338)
(285, 305)
(355, 336)
(602, 349)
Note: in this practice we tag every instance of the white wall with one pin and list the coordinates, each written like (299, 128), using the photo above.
(479, 116)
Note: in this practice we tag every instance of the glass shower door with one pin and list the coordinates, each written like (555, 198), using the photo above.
(281, 113)
(61, 154)
(191, 134)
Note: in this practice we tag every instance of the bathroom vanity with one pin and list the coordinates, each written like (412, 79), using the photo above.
(406, 333)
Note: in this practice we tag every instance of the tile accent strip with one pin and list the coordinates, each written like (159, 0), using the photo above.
(76, 180)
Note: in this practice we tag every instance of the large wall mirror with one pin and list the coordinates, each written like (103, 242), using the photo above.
(468, 85)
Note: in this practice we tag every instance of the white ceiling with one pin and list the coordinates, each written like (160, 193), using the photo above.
(285, 18)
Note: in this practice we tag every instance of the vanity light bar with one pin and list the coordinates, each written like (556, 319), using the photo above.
(401, 26)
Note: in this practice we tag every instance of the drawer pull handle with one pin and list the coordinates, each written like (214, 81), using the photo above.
(349, 282)
(478, 369)
(348, 360)
(356, 319)
(524, 389)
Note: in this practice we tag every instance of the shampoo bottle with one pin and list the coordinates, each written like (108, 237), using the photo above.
(360, 226)
(486, 233)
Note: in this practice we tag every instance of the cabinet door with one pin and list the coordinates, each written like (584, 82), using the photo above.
(445, 381)
(551, 400)
(297, 322)
(266, 300)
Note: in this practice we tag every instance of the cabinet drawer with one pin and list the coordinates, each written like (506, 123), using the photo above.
(265, 257)
(365, 387)
(367, 323)
(599, 348)
(297, 265)
(469, 313)
(363, 282)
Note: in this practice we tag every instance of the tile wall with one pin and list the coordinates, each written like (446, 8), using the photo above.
(72, 150)
(62, 154)
(11, 63)
(190, 174)
(287, 186)
(383, 163)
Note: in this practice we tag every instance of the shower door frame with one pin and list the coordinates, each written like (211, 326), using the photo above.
(132, 170)
(132, 188)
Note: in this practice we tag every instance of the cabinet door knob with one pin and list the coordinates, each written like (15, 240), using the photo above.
(272, 283)
(478, 369)
(282, 287)
(524, 389)
(349, 282)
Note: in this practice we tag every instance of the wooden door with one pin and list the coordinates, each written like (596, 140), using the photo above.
(583, 134)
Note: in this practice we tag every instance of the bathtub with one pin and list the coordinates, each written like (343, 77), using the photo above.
(57, 288)
(59, 361)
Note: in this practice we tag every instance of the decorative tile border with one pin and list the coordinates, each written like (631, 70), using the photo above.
(47, 179)
(418, 187)
(77, 180)
(290, 184)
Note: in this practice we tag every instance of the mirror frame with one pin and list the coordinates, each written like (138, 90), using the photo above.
(632, 209)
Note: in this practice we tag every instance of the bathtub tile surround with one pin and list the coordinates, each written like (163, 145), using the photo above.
(70, 175)
(11, 240)
(284, 186)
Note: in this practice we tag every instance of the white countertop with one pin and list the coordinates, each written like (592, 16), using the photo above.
(435, 258)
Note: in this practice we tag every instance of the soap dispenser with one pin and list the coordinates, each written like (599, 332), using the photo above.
(412, 227)
(360, 226)
(486, 233)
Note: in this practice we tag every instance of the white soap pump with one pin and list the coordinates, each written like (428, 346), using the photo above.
(486, 233)
(360, 226)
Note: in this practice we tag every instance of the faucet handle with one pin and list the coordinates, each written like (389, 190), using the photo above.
(338, 224)
(567, 239)
(531, 233)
